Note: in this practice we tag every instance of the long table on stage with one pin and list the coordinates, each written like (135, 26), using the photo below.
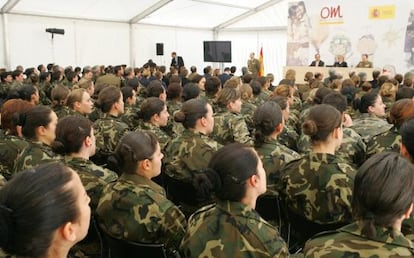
(344, 71)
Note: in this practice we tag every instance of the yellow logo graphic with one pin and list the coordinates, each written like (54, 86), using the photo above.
(382, 12)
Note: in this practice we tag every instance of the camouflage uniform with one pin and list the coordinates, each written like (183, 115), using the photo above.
(230, 127)
(62, 111)
(319, 188)
(162, 137)
(231, 229)
(274, 157)
(93, 177)
(247, 111)
(388, 141)
(289, 138)
(348, 241)
(108, 131)
(34, 154)
(172, 107)
(3, 181)
(263, 95)
(130, 117)
(352, 149)
(10, 148)
(136, 209)
(368, 126)
(188, 153)
(4, 90)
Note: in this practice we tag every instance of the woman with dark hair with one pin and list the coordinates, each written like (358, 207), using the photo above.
(47, 220)
(269, 122)
(229, 124)
(60, 95)
(109, 128)
(407, 139)
(192, 150)
(13, 143)
(382, 200)
(142, 213)
(400, 111)
(232, 227)
(155, 89)
(289, 135)
(75, 141)
(371, 121)
(130, 115)
(38, 127)
(154, 115)
(353, 148)
(317, 188)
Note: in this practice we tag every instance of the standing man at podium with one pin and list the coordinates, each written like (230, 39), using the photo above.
(253, 64)
(176, 61)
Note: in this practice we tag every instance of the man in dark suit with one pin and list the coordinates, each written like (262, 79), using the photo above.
(176, 61)
(340, 62)
(317, 61)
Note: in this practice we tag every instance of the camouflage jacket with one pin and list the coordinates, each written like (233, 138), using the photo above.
(348, 241)
(108, 131)
(263, 95)
(62, 111)
(231, 229)
(368, 126)
(10, 148)
(319, 188)
(352, 149)
(388, 141)
(34, 154)
(162, 137)
(135, 208)
(188, 153)
(247, 111)
(289, 138)
(130, 118)
(230, 127)
(3, 181)
(274, 157)
(93, 177)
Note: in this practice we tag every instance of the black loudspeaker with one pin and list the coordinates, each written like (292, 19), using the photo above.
(160, 49)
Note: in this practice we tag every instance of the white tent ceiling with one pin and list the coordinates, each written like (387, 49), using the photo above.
(202, 14)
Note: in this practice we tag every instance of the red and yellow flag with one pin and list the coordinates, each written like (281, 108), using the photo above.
(261, 71)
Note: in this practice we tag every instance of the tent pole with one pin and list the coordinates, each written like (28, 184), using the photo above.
(131, 46)
(6, 42)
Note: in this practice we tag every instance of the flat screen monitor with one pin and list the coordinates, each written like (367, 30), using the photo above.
(217, 51)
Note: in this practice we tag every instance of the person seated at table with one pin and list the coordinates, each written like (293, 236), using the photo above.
(317, 61)
(364, 63)
(340, 61)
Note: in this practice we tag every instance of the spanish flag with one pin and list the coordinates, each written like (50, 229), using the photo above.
(261, 71)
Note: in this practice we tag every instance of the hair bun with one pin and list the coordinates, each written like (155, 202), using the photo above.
(309, 127)
(179, 116)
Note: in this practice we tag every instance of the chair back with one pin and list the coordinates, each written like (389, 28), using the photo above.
(121, 248)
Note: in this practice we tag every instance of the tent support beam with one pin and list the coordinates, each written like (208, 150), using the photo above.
(222, 4)
(274, 28)
(246, 14)
(149, 10)
(9, 5)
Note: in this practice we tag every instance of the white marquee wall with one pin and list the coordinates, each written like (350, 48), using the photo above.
(92, 42)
